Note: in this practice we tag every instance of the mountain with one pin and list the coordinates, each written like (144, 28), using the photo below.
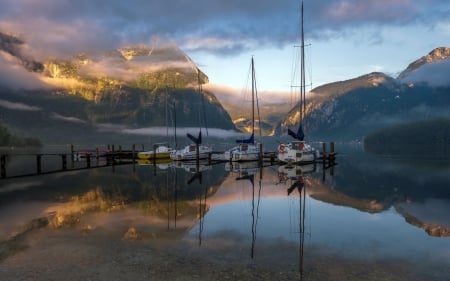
(349, 110)
(436, 55)
(60, 100)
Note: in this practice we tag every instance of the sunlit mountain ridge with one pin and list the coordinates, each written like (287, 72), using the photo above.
(349, 110)
(130, 87)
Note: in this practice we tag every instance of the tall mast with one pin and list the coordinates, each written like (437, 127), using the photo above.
(253, 96)
(302, 72)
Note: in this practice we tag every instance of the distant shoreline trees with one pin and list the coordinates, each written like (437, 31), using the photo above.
(8, 139)
(419, 138)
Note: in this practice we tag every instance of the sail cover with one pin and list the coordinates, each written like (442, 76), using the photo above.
(251, 139)
(299, 135)
(194, 139)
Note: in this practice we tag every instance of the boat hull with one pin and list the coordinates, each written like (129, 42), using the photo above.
(297, 153)
(190, 153)
(159, 152)
(243, 152)
(148, 155)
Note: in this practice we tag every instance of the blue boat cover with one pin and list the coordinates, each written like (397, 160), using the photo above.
(194, 139)
(299, 135)
(251, 139)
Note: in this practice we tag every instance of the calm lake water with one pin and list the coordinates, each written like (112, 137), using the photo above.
(367, 218)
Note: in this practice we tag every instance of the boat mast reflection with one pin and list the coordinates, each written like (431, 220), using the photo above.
(247, 171)
(202, 200)
(295, 176)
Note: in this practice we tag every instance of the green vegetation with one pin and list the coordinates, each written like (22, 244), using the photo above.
(7, 139)
(422, 137)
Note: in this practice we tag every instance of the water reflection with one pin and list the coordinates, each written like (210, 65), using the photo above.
(372, 213)
(294, 176)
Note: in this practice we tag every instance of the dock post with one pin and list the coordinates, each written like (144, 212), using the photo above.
(331, 157)
(38, 163)
(324, 150)
(97, 156)
(88, 160)
(64, 162)
(72, 154)
(198, 156)
(3, 165)
(260, 152)
(155, 146)
(113, 152)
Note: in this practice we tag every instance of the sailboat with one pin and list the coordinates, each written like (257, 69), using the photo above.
(195, 150)
(298, 151)
(247, 149)
(160, 151)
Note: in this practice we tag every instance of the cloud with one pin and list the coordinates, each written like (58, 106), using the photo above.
(129, 70)
(18, 106)
(435, 74)
(163, 131)
(230, 95)
(13, 73)
(67, 118)
(57, 27)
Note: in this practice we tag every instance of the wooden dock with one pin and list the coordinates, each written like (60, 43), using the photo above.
(97, 158)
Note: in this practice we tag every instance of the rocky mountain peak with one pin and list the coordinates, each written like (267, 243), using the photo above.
(438, 54)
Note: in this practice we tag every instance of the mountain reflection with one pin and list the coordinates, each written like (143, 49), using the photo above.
(170, 201)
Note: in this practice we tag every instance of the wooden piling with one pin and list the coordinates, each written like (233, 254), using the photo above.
(64, 161)
(3, 166)
(260, 152)
(38, 163)
(72, 153)
(324, 150)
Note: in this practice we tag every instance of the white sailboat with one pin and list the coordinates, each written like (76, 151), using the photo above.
(193, 151)
(298, 151)
(247, 149)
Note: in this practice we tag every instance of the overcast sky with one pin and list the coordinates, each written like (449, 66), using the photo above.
(347, 38)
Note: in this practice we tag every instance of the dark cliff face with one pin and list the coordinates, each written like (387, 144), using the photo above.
(12, 45)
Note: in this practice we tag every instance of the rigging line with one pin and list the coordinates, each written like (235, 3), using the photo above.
(245, 90)
(294, 71)
(200, 90)
(257, 101)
